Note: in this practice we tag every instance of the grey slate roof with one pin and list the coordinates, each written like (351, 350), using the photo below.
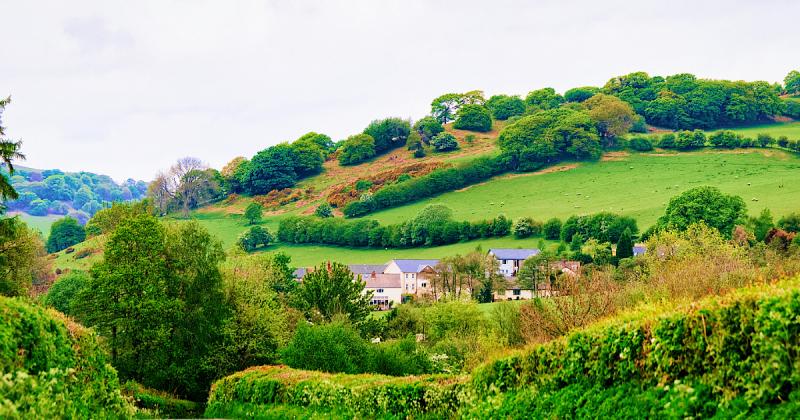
(364, 269)
(415, 266)
(639, 250)
(513, 254)
(299, 273)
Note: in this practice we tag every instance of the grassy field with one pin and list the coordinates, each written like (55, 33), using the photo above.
(40, 223)
(790, 130)
(639, 185)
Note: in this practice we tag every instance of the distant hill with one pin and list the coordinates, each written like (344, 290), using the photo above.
(45, 192)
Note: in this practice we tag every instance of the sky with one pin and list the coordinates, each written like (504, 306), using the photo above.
(125, 88)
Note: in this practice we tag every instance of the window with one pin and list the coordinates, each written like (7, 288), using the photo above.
(516, 292)
(423, 284)
(406, 275)
(380, 290)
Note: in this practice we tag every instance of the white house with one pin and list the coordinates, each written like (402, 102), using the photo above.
(387, 289)
(415, 274)
(511, 259)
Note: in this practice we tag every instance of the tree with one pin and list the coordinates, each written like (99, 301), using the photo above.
(254, 238)
(762, 224)
(107, 219)
(157, 297)
(388, 133)
(428, 128)
(187, 184)
(271, 169)
(548, 136)
(791, 83)
(356, 149)
(613, 116)
(552, 229)
(640, 144)
(324, 210)
(473, 117)
(444, 108)
(309, 157)
(537, 271)
(444, 142)
(580, 94)
(543, 99)
(329, 290)
(253, 213)
(704, 204)
(790, 222)
(22, 258)
(344, 350)
(322, 141)
(503, 107)
(62, 294)
(9, 151)
(625, 245)
(526, 227)
(64, 233)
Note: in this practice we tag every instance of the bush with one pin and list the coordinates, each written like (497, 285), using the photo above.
(526, 227)
(667, 141)
(356, 149)
(640, 144)
(363, 184)
(552, 229)
(253, 213)
(504, 107)
(64, 290)
(389, 133)
(444, 142)
(725, 138)
(473, 117)
(64, 233)
(603, 226)
(161, 404)
(324, 210)
(428, 128)
(344, 349)
(254, 238)
(53, 368)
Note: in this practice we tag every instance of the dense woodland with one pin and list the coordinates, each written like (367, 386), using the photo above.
(170, 312)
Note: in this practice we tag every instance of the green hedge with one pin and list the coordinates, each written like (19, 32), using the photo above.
(53, 368)
(260, 389)
(737, 354)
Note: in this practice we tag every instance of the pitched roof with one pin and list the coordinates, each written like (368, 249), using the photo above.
(367, 268)
(513, 254)
(639, 250)
(382, 281)
(299, 273)
(414, 266)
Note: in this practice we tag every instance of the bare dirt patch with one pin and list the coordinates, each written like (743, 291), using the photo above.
(614, 156)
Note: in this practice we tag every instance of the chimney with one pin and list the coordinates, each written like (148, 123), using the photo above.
(374, 274)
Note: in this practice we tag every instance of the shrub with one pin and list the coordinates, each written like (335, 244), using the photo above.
(428, 128)
(64, 233)
(53, 368)
(444, 142)
(603, 226)
(344, 349)
(526, 227)
(254, 238)
(504, 107)
(388, 133)
(725, 138)
(667, 141)
(363, 184)
(640, 144)
(159, 403)
(356, 149)
(64, 290)
(473, 117)
(552, 229)
(253, 213)
(324, 210)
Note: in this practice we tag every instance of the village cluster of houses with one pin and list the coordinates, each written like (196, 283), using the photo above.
(410, 278)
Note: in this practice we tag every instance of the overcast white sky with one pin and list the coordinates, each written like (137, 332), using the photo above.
(124, 88)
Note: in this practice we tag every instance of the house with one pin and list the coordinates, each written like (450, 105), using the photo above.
(513, 291)
(639, 249)
(387, 289)
(366, 269)
(511, 259)
(570, 268)
(299, 273)
(415, 274)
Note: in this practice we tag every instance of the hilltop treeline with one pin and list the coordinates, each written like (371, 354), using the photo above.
(432, 226)
(80, 194)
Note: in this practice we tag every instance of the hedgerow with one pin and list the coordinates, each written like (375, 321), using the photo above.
(160, 404)
(731, 355)
(53, 367)
(258, 389)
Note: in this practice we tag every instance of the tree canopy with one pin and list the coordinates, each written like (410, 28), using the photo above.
(388, 133)
(503, 107)
(331, 290)
(707, 205)
(356, 149)
(473, 117)
(64, 233)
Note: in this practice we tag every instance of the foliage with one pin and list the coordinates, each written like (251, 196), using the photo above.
(704, 204)
(188, 184)
(791, 83)
(552, 229)
(253, 213)
(255, 390)
(157, 297)
(344, 349)
(53, 368)
(790, 222)
(444, 142)
(603, 226)
(682, 101)
(473, 117)
(625, 244)
(389, 133)
(544, 99)
(525, 227)
(271, 169)
(580, 94)
(324, 210)
(725, 138)
(546, 137)
(254, 238)
(418, 231)
(428, 128)
(64, 233)
(62, 294)
(331, 290)
(613, 116)
(107, 219)
(356, 149)
(160, 404)
(22, 258)
(504, 107)
(640, 144)
(444, 108)
(436, 182)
